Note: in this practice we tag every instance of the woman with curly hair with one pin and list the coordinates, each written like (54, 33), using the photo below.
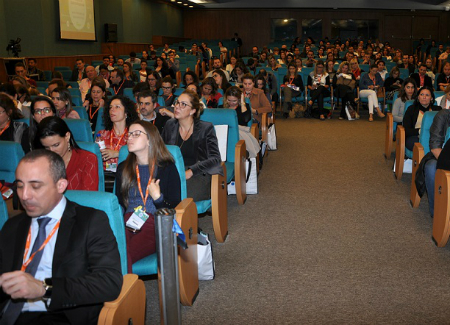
(118, 116)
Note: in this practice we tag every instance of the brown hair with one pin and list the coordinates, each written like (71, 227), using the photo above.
(233, 91)
(195, 102)
(157, 153)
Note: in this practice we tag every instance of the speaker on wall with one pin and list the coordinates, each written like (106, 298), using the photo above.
(111, 33)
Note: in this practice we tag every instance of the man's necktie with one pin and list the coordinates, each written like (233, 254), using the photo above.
(13, 308)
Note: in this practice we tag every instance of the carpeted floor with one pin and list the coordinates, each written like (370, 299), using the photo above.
(329, 239)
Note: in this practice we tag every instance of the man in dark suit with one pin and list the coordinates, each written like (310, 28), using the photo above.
(77, 267)
(421, 78)
(79, 72)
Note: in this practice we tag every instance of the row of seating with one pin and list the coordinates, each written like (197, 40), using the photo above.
(441, 218)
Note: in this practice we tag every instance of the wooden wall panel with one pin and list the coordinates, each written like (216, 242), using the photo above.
(253, 25)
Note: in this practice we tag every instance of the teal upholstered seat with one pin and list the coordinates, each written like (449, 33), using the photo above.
(3, 213)
(10, 153)
(108, 203)
(81, 129)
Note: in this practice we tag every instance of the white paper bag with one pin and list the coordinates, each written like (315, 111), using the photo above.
(222, 139)
(251, 178)
(205, 259)
(407, 166)
(272, 138)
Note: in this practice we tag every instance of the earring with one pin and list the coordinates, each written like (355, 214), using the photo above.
(68, 147)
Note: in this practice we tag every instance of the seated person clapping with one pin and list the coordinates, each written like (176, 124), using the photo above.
(147, 178)
(81, 165)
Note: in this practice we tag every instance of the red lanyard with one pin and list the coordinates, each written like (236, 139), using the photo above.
(7, 126)
(120, 139)
(115, 92)
(91, 115)
(27, 247)
(138, 176)
(291, 80)
(373, 80)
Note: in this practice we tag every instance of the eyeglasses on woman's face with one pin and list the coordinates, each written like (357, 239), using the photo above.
(45, 110)
(136, 134)
(183, 105)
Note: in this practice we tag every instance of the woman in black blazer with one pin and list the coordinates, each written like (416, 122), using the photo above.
(413, 117)
(198, 144)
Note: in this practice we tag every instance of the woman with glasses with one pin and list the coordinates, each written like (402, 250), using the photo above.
(153, 80)
(162, 68)
(147, 178)
(198, 144)
(41, 107)
(11, 130)
(81, 165)
(168, 96)
(63, 102)
(118, 116)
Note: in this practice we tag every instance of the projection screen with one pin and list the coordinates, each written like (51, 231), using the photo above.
(76, 20)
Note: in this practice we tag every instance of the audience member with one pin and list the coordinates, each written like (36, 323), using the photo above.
(41, 107)
(167, 87)
(147, 103)
(292, 86)
(368, 87)
(20, 71)
(443, 80)
(210, 95)
(128, 72)
(408, 91)
(133, 59)
(81, 165)
(150, 169)
(154, 81)
(118, 82)
(79, 72)
(198, 144)
(217, 65)
(189, 78)
(78, 268)
(33, 70)
(221, 80)
(318, 84)
(11, 130)
(63, 103)
(117, 116)
(95, 101)
(444, 100)
(344, 83)
(421, 78)
(392, 83)
(162, 68)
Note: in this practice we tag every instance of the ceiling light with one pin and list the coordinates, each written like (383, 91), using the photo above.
(191, 6)
(180, 2)
(185, 4)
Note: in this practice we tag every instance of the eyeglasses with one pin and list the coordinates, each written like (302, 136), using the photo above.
(2, 112)
(46, 110)
(136, 134)
(182, 104)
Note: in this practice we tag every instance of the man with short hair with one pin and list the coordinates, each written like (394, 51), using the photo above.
(309, 61)
(421, 78)
(85, 84)
(105, 63)
(33, 70)
(133, 59)
(443, 80)
(53, 84)
(21, 72)
(173, 63)
(166, 49)
(79, 72)
(119, 82)
(59, 261)
(255, 52)
(217, 65)
(147, 101)
(406, 65)
(120, 62)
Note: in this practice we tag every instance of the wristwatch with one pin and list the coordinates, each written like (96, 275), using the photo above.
(47, 283)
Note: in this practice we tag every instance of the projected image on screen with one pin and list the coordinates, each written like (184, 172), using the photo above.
(76, 19)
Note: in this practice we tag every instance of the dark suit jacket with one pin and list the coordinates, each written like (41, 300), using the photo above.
(74, 76)
(205, 141)
(86, 263)
(428, 82)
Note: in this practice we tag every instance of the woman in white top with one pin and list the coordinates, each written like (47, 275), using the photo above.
(230, 67)
(223, 53)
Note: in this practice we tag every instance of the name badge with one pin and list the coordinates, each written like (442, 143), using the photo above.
(137, 219)
(112, 167)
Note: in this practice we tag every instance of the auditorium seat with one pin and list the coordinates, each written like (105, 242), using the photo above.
(95, 149)
(81, 129)
(441, 218)
(10, 153)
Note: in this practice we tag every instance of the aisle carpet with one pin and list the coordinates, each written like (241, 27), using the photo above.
(329, 239)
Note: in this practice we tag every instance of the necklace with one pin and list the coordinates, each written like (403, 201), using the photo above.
(179, 133)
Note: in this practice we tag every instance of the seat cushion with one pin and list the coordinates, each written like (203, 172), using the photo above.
(203, 206)
(146, 266)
